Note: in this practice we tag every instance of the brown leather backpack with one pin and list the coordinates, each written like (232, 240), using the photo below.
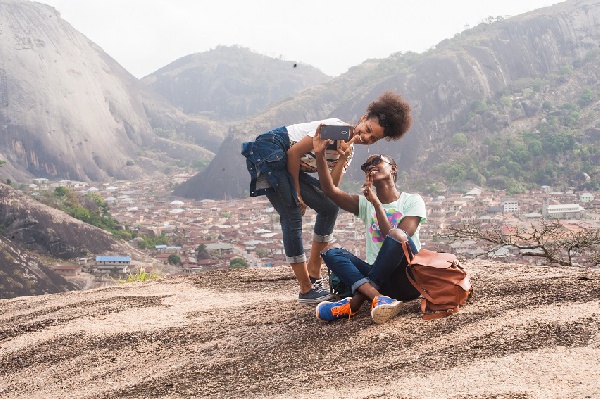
(441, 280)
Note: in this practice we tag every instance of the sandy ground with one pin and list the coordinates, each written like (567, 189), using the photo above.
(528, 332)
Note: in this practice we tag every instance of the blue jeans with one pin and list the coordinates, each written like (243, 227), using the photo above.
(387, 274)
(290, 215)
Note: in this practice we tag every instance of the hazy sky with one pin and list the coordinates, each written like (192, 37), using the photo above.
(332, 35)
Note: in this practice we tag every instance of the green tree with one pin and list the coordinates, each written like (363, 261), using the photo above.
(174, 259)
(587, 97)
(151, 242)
(459, 140)
(60, 191)
(202, 252)
(261, 252)
(238, 263)
(534, 147)
(455, 173)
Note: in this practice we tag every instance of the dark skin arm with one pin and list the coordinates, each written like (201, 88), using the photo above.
(338, 171)
(347, 202)
(344, 150)
(293, 164)
(303, 146)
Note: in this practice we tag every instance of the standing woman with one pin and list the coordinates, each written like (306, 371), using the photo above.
(279, 162)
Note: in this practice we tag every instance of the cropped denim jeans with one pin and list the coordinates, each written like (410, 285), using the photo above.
(387, 274)
(267, 157)
(291, 216)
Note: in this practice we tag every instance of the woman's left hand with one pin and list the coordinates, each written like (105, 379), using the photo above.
(367, 190)
(345, 149)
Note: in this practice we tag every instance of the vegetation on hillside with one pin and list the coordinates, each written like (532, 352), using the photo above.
(147, 242)
(238, 263)
(89, 208)
(559, 147)
(141, 275)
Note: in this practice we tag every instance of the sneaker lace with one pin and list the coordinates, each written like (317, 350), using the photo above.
(342, 310)
(317, 284)
(375, 302)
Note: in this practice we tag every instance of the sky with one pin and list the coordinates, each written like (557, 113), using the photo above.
(332, 35)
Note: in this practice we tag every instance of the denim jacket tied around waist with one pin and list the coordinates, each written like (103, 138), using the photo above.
(267, 155)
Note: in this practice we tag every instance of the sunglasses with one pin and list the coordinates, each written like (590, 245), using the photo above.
(373, 162)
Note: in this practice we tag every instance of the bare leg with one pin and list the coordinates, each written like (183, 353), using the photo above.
(301, 274)
(315, 261)
(357, 301)
(368, 291)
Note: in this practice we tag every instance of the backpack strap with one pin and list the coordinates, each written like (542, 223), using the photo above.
(410, 257)
(436, 315)
(407, 252)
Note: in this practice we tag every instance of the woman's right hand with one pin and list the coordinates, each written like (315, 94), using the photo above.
(302, 205)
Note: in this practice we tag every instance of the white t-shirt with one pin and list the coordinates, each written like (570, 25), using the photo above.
(308, 162)
(406, 205)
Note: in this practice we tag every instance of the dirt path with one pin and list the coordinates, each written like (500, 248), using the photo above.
(529, 332)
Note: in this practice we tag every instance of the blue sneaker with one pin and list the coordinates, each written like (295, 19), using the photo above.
(314, 296)
(384, 308)
(329, 311)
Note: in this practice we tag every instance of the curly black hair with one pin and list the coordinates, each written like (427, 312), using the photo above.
(392, 113)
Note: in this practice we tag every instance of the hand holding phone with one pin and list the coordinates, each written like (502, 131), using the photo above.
(336, 132)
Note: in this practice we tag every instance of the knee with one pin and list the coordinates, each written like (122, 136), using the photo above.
(325, 251)
(330, 209)
(334, 209)
(398, 234)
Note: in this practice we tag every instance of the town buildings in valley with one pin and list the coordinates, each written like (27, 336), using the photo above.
(208, 234)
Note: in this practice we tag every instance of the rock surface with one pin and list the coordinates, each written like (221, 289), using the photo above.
(66, 108)
(49, 231)
(528, 332)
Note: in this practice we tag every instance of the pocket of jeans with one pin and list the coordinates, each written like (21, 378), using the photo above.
(276, 160)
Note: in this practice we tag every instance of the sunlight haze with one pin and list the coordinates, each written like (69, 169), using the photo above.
(145, 35)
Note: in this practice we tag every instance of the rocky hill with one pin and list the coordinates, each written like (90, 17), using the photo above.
(66, 108)
(528, 333)
(22, 273)
(51, 232)
(230, 83)
(534, 73)
(33, 236)
(70, 111)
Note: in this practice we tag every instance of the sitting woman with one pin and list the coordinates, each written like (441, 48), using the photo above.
(390, 217)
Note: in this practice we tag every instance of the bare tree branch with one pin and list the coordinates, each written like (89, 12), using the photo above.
(547, 239)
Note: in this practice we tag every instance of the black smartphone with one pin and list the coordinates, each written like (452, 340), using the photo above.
(336, 132)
